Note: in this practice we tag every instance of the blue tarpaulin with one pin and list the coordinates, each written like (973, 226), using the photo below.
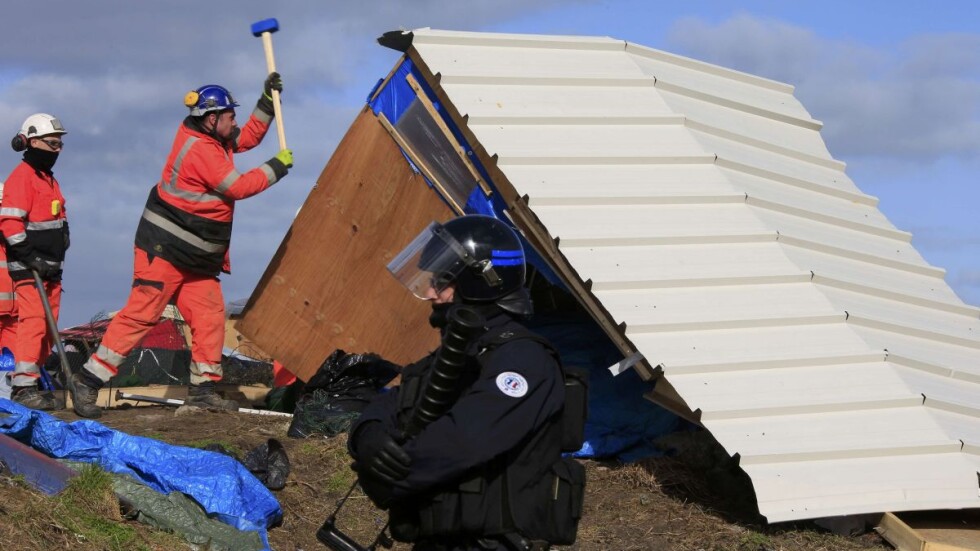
(622, 424)
(223, 487)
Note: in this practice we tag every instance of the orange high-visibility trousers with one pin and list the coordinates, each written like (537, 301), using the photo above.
(34, 341)
(155, 283)
(8, 331)
(8, 302)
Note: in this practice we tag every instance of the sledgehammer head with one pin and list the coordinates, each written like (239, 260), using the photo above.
(265, 26)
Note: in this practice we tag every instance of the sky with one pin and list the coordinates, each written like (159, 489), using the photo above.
(896, 84)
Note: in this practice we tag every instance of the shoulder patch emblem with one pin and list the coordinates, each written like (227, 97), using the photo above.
(512, 384)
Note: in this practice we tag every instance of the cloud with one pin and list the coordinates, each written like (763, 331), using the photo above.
(919, 100)
(116, 73)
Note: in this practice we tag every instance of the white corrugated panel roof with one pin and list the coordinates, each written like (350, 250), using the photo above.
(780, 303)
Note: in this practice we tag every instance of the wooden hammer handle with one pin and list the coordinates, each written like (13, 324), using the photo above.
(276, 105)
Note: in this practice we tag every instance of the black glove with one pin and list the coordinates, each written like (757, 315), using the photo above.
(42, 268)
(272, 82)
(378, 492)
(380, 455)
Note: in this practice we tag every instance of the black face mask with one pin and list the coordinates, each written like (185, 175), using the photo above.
(40, 159)
(439, 317)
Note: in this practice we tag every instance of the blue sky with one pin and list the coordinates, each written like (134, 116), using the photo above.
(896, 84)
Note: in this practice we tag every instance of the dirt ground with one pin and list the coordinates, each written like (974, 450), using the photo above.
(658, 504)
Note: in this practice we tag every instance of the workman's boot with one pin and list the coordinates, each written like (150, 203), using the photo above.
(204, 396)
(31, 397)
(84, 389)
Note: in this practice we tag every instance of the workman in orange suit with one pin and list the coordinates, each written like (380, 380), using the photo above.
(182, 242)
(8, 302)
(35, 228)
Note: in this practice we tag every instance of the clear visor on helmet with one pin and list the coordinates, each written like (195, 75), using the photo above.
(429, 263)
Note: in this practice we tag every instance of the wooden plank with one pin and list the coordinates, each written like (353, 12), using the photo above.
(327, 286)
(899, 534)
(427, 103)
(419, 163)
(947, 530)
(245, 394)
(665, 396)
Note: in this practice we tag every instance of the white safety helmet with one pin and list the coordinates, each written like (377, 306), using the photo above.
(36, 126)
(41, 124)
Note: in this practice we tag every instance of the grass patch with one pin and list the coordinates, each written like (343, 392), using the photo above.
(340, 481)
(309, 448)
(754, 541)
(89, 509)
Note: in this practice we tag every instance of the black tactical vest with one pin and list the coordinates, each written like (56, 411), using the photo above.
(530, 490)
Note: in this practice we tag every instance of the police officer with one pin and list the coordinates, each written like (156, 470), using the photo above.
(483, 474)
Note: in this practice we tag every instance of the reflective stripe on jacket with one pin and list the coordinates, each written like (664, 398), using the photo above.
(188, 215)
(33, 220)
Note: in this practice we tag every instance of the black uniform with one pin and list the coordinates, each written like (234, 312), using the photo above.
(491, 465)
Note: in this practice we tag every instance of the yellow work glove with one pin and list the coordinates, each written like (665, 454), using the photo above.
(281, 163)
(285, 157)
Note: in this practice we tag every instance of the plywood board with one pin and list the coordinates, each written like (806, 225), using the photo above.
(327, 286)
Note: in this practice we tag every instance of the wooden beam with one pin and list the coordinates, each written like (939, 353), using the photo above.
(419, 163)
(665, 396)
(107, 396)
(427, 103)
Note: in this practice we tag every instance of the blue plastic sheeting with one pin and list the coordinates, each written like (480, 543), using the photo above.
(7, 362)
(395, 97)
(622, 424)
(223, 487)
(38, 470)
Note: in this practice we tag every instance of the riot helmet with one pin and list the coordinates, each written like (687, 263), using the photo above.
(480, 254)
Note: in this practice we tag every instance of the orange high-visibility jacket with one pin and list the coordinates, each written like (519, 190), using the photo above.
(188, 215)
(33, 221)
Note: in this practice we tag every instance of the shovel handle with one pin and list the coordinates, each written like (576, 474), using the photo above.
(53, 327)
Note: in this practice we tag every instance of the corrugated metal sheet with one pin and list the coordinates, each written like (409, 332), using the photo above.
(779, 302)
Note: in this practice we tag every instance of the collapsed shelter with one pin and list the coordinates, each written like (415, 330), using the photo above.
(695, 214)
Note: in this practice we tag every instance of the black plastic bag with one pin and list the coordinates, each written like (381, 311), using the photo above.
(269, 464)
(339, 392)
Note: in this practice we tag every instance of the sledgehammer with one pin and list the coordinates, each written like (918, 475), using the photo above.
(264, 29)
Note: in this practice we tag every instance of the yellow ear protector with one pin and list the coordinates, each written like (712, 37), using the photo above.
(190, 99)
